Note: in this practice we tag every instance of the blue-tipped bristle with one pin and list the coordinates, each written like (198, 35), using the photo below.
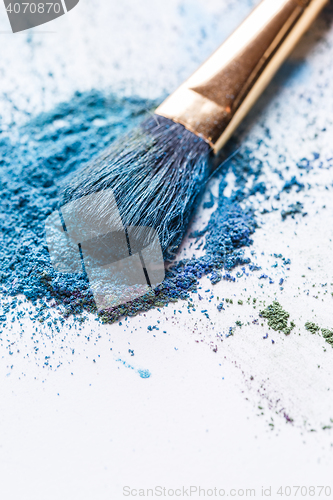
(157, 173)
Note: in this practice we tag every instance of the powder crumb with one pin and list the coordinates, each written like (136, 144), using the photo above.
(277, 318)
(311, 327)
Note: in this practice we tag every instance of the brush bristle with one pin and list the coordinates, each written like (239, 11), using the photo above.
(157, 173)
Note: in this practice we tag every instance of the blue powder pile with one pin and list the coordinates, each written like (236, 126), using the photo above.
(230, 227)
(36, 158)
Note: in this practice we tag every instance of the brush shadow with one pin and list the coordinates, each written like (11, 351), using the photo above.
(287, 71)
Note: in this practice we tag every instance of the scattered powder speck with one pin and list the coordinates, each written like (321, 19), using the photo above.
(143, 373)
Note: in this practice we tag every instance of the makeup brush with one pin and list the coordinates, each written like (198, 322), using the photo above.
(158, 171)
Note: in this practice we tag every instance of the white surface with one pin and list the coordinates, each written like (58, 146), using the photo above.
(84, 429)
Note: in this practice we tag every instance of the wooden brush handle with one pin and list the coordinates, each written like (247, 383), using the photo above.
(217, 97)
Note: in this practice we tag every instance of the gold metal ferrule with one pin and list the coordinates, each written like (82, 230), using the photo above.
(217, 97)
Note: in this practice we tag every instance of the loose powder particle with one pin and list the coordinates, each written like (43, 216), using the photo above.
(327, 334)
(312, 327)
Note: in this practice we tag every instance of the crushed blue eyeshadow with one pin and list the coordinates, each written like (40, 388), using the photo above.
(35, 160)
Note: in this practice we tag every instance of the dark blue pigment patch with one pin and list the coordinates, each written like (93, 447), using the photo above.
(293, 182)
(35, 160)
(292, 210)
